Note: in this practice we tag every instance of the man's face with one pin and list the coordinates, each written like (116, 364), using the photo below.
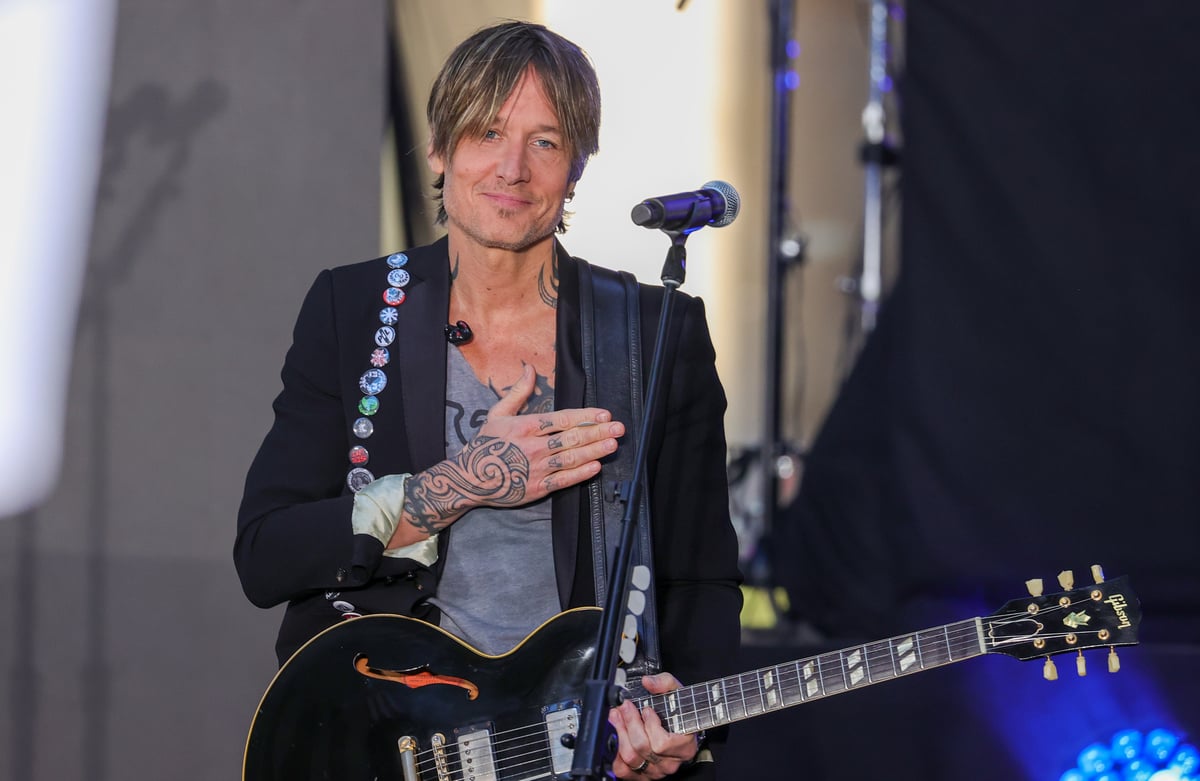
(506, 189)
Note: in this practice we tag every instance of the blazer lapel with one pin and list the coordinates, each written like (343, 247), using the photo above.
(568, 394)
(421, 353)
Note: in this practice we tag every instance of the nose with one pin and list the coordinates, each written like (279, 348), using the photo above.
(512, 167)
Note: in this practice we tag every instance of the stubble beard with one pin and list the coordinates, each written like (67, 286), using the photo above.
(536, 233)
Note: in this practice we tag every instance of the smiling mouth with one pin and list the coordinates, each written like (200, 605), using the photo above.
(507, 201)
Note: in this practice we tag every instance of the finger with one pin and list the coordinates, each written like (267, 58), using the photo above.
(627, 757)
(565, 478)
(564, 419)
(584, 434)
(650, 742)
(660, 683)
(667, 749)
(514, 400)
(635, 730)
(569, 458)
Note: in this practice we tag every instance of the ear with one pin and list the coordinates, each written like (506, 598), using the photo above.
(436, 164)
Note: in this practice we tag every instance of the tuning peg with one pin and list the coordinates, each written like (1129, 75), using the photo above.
(1050, 672)
(1097, 573)
(1081, 664)
(1034, 586)
(1114, 663)
(1066, 579)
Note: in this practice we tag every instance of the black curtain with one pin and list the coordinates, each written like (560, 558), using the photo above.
(1031, 399)
(1029, 402)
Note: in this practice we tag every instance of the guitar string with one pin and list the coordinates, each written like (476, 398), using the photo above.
(745, 694)
(830, 680)
(501, 759)
(502, 741)
(955, 636)
(960, 637)
(513, 762)
(497, 742)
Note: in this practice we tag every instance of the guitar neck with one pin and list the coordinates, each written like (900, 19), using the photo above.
(713, 703)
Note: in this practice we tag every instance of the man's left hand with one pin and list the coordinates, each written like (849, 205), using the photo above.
(645, 749)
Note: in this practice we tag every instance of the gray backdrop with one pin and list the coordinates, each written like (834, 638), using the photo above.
(241, 156)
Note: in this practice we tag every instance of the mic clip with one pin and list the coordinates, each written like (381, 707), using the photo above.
(459, 333)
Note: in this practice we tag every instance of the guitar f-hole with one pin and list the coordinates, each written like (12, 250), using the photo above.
(414, 679)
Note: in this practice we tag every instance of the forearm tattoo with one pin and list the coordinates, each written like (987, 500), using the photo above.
(489, 471)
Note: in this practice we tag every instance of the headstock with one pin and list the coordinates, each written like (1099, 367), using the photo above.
(1101, 615)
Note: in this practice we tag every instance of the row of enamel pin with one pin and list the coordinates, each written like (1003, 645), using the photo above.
(374, 380)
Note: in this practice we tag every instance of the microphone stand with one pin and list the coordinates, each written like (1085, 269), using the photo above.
(596, 745)
(877, 154)
(786, 253)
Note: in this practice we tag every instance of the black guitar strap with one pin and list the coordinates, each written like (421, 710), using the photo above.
(612, 366)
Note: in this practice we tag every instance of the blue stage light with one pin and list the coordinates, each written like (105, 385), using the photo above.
(1127, 745)
(1160, 744)
(1166, 775)
(1095, 760)
(1139, 769)
(1186, 760)
(1158, 755)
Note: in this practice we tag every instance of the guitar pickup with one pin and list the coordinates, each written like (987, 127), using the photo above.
(562, 720)
(476, 753)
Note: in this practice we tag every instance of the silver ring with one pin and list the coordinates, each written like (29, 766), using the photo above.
(640, 768)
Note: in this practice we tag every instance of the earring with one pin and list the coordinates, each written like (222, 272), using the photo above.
(570, 196)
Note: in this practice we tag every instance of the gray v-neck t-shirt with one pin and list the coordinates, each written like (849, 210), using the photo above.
(498, 582)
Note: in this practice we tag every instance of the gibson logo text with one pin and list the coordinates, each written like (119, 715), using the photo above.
(1118, 605)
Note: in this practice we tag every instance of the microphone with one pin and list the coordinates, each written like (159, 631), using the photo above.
(716, 203)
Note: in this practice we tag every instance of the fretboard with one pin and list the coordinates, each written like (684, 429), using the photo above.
(726, 700)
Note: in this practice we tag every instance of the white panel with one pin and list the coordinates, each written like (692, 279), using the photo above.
(54, 66)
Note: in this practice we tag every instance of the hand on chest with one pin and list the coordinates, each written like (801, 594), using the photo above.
(498, 363)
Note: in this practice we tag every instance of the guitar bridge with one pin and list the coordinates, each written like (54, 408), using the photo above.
(438, 741)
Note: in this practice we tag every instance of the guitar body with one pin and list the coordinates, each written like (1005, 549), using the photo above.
(341, 704)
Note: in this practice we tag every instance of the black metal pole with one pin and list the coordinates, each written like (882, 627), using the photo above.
(595, 746)
(783, 251)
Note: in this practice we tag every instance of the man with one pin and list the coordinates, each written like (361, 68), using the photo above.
(437, 470)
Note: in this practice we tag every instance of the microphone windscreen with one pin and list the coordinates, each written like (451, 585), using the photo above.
(733, 202)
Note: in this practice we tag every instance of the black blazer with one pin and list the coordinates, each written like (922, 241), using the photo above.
(295, 543)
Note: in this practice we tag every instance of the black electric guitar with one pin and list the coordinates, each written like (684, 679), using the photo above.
(390, 698)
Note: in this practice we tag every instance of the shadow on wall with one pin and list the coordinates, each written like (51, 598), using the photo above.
(146, 130)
